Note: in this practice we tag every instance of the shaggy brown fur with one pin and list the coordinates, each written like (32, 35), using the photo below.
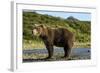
(59, 37)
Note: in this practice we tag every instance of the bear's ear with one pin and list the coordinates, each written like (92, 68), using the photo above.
(36, 25)
(43, 26)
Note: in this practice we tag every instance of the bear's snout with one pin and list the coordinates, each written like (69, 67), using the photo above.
(34, 32)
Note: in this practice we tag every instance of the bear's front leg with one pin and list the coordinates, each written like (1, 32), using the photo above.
(50, 50)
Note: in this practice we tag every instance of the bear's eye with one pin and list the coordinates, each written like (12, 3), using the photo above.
(38, 29)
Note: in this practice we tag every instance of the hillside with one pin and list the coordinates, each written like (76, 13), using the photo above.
(81, 29)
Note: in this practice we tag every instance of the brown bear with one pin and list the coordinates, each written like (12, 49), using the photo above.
(60, 37)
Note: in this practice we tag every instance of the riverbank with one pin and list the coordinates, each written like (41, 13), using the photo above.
(36, 55)
(40, 45)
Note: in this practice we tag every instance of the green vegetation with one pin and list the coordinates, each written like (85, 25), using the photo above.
(81, 29)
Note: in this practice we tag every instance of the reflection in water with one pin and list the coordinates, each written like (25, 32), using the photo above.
(77, 53)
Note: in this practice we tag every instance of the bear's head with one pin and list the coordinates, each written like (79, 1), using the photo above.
(38, 30)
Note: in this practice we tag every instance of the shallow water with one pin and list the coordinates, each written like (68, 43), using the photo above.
(58, 50)
(77, 53)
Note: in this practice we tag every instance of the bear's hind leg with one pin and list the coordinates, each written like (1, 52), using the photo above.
(67, 51)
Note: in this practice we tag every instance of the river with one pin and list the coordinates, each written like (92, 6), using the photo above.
(77, 53)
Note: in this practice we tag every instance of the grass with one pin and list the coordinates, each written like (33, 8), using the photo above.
(40, 45)
(33, 44)
(82, 45)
